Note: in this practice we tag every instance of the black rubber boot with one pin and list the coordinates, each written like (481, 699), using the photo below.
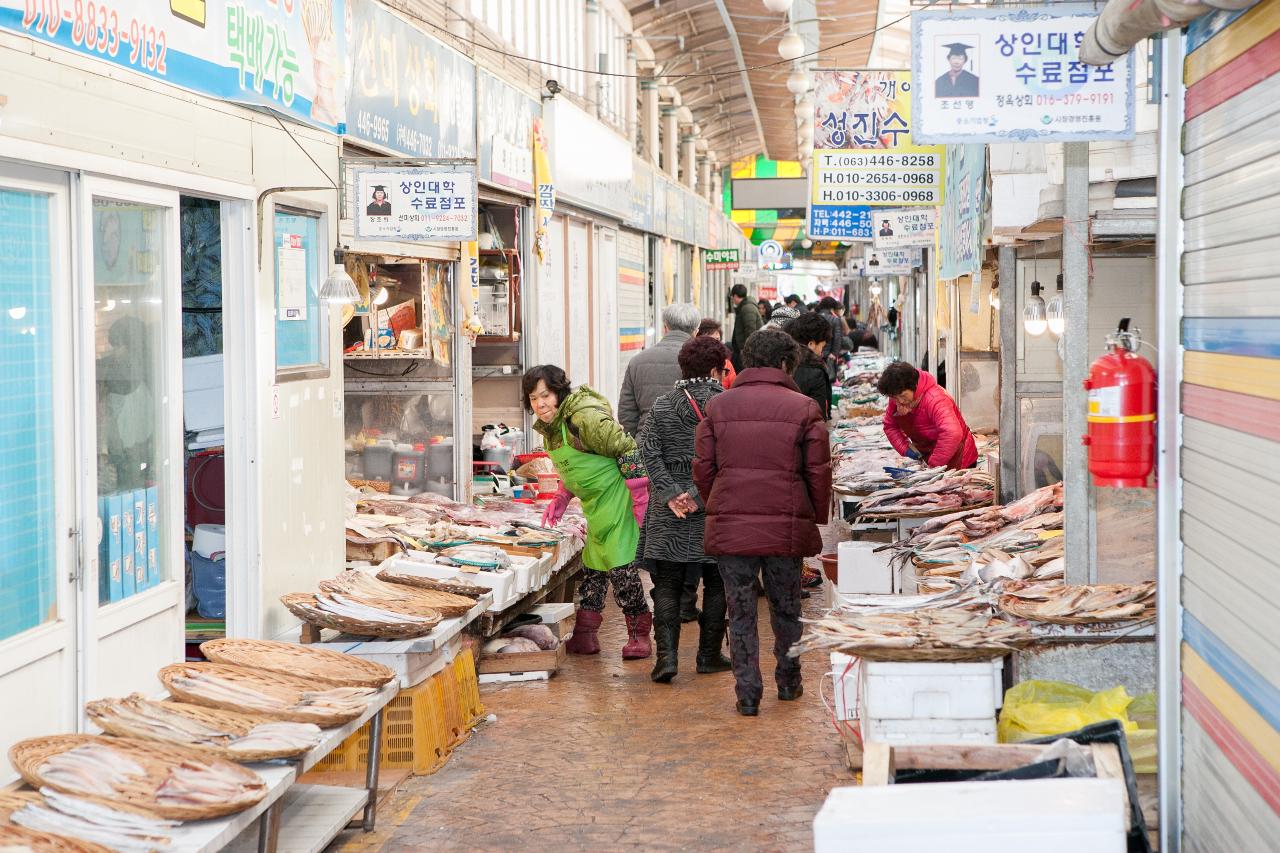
(666, 623)
(711, 625)
(689, 594)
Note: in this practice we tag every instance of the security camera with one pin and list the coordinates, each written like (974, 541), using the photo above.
(553, 86)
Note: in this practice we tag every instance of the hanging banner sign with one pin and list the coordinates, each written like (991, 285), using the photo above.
(424, 203)
(864, 153)
(721, 259)
(890, 261)
(545, 190)
(914, 226)
(772, 256)
(284, 56)
(1006, 75)
(408, 92)
(505, 118)
(960, 223)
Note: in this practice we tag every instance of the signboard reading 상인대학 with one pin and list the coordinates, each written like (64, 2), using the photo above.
(1007, 75)
(416, 203)
(864, 154)
(911, 226)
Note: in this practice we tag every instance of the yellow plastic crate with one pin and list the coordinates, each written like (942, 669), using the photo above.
(414, 735)
(445, 689)
(464, 673)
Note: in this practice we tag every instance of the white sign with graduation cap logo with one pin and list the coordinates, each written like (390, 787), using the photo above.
(417, 203)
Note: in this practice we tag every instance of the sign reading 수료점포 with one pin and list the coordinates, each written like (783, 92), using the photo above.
(1007, 75)
(436, 203)
(912, 226)
(721, 259)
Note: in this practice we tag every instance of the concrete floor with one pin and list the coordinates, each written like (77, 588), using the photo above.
(602, 758)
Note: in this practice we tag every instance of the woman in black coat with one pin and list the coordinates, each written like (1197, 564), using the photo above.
(675, 518)
(812, 331)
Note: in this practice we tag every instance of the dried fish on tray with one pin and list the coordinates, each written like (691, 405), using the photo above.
(923, 635)
(323, 666)
(18, 839)
(395, 597)
(352, 617)
(89, 824)
(270, 694)
(164, 781)
(956, 490)
(1060, 604)
(225, 734)
(456, 586)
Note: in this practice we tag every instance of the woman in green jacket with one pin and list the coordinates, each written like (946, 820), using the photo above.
(585, 443)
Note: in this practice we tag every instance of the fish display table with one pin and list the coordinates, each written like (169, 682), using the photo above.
(277, 815)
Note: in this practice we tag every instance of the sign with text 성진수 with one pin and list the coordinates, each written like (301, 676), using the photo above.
(912, 226)
(423, 203)
(284, 56)
(721, 259)
(864, 154)
(890, 261)
(407, 92)
(1008, 75)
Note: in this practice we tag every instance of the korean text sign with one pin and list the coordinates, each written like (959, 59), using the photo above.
(408, 92)
(890, 261)
(960, 225)
(993, 75)
(912, 226)
(428, 203)
(721, 259)
(281, 55)
(864, 153)
(506, 134)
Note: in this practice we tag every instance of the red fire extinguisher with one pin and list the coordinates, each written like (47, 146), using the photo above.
(1122, 413)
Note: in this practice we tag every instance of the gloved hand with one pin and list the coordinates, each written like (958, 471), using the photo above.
(912, 453)
(639, 497)
(556, 506)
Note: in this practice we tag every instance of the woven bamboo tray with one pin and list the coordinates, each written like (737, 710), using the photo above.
(933, 513)
(322, 666)
(304, 606)
(1022, 609)
(105, 713)
(285, 697)
(931, 654)
(22, 839)
(458, 587)
(395, 597)
(157, 761)
(11, 801)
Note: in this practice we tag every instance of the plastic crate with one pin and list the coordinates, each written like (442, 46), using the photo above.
(464, 674)
(414, 735)
(445, 687)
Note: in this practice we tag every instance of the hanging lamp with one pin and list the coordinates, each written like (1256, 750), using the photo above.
(1055, 314)
(778, 5)
(798, 82)
(1033, 314)
(791, 46)
(339, 288)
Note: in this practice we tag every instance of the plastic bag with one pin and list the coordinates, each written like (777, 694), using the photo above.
(1142, 743)
(1042, 708)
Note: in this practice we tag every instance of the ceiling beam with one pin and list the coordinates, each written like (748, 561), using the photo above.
(742, 69)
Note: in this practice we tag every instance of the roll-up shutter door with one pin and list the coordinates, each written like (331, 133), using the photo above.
(633, 306)
(1231, 434)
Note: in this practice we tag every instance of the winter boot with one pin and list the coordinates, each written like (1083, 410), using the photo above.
(638, 644)
(584, 640)
(666, 631)
(711, 627)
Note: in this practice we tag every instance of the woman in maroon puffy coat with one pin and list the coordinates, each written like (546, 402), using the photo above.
(763, 468)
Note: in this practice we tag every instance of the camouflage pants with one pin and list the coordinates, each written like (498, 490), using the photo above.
(628, 591)
(781, 577)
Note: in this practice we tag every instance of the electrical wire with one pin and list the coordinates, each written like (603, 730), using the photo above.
(618, 74)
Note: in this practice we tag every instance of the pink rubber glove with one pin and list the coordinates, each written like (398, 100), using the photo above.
(556, 506)
(639, 497)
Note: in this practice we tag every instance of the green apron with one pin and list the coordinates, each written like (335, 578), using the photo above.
(612, 533)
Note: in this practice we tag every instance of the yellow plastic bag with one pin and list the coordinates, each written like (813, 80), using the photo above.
(1041, 708)
(1142, 743)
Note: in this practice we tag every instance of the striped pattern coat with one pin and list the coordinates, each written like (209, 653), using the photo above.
(667, 446)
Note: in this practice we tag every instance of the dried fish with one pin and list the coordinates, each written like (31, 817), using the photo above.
(920, 632)
(124, 831)
(1073, 604)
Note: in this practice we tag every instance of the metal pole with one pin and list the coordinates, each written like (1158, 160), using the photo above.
(1169, 437)
(371, 771)
(1008, 292)
(1075, 364)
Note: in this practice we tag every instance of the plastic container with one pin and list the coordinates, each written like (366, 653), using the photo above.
(844, 681)
(859, 569)
(925, 731)
(209, 578)
(947, 692)
(503, 457)
(379, 460)
(501, 583)
(410, 469)
(209, 539)
(440, 460)
(548, 484)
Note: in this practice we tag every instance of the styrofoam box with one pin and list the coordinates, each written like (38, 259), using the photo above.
(524, 568)
(927, 731)
(844, 686)
(940, 691)
(1041, 815)
(553, 612)
(859, 569)
(502, 583)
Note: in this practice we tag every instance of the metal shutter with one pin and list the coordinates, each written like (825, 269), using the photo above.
(633, 304)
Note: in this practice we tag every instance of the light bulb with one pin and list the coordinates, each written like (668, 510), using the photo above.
(339, 288)
(798, 82)
(791, 46)
(1055, 317)
(806, 243)
(804, 111)
(381, 297)
(994, 299)
(1033, 314)
(778, 5)
(806, 150)
(875, 289)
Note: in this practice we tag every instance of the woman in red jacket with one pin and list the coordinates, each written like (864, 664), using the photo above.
(763, 468)
(922, 421)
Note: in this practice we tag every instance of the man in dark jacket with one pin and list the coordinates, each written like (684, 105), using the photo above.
(746, 321)
(812, 332)
(656, 371)
(763, 469)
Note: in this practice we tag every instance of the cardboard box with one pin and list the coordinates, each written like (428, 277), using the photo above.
(548, 661)
(128, 580)
(153, 536)
(110, 569)
(140, 539)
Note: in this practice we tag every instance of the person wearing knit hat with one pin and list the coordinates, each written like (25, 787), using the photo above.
(781, 316)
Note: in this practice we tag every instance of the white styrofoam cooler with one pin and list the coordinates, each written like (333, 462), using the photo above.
(502, 583)
(859, 569)
(938, 691)
(1044, 815)
(925, 731)
(844, 681)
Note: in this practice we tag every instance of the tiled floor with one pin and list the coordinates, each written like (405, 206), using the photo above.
(600, 758)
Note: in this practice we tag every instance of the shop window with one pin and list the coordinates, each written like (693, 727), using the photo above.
(201, 229)
(302, 323)
(27, 571)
